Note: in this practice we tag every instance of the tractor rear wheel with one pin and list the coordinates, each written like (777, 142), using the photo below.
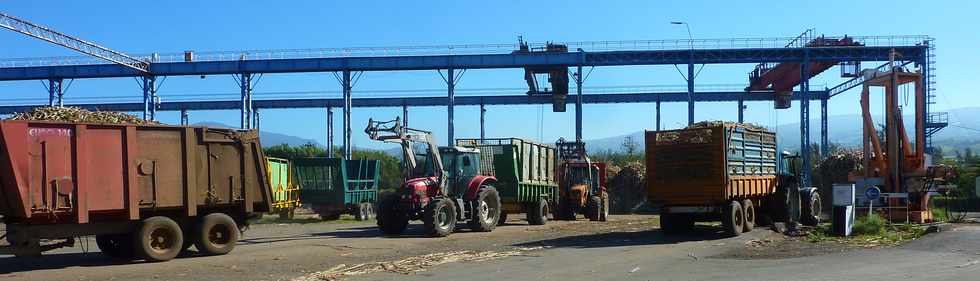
(391, 221)
(439, 218)
(733, 219)
(537, 213)
(593, 209)
(810, 215)
(485, 210)
(604, 213)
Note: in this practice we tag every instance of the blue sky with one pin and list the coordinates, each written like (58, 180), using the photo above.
(174, 26)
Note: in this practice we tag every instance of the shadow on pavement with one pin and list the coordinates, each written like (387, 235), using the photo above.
(632, 238)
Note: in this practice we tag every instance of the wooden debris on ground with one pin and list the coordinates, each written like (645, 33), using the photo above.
(407, 266)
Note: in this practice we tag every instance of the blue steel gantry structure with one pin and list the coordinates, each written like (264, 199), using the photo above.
(348, 64)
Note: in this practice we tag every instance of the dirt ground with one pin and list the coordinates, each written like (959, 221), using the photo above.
(311, 251)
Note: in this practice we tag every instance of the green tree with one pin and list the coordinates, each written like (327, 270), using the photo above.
(629, 145)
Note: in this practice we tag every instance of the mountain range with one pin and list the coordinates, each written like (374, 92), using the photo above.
(845, 130)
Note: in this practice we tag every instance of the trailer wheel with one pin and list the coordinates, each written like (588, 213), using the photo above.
(363, 211)
(391, 221)
(604, 214)
(811, 209)
(748, 211)
(115, 245)
(158, 239)
(439, 218)
(216, 234)
(503, 218)
(537, 213)
(485, 210)
(287, 214)
(733, 220)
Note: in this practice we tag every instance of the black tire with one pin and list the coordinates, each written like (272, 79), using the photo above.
(810, 214)
(593, 209)
(604, 211)
(391, 220)
(287, 214)
(672, 224)
(733, 220)
(158, 239)
(565, 211)
(216, 234)
(439, 219)
(362, 213)
(779, 203)
(485, 210)
(115, 245)
(748, 212)
(537, 213)
(503, 218)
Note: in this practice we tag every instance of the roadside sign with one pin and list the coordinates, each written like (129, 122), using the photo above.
(872, 193)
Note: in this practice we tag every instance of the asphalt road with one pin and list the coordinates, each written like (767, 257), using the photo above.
(626, 248)
(950, 255)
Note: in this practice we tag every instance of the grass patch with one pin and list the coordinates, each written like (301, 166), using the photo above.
(869, 232)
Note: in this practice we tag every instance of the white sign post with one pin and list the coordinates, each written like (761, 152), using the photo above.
(872, 194)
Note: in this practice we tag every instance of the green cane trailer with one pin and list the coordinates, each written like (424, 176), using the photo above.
(334, 186)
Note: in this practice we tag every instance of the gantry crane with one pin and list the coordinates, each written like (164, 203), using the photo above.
(897, 165)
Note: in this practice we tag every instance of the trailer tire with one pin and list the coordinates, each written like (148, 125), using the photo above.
(115, 245)
(748, 212)
(485, 210)
(810, 215)
(537, 213)
(391, 221)
(733, 220)
(503, 218)
(363, 212)
(439, 219)
(216, 234)
(158, 239)
(593, 209)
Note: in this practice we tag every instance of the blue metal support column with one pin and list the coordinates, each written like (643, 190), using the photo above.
(184, 117)
(149, 97)
(824, 141)
(330, 131)
(346, 83)
(404, 115)
(578, 104)
(483, 117)
(255, 119)
(450, 104)
(690, 90)
(245, 83)
(741, 111)
(56, 93)
(658, 115)
(805, 121)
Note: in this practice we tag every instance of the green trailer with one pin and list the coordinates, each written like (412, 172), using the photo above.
(285, 193)
(334, 186)
(525, 173)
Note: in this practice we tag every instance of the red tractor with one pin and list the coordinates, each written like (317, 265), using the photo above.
(581, 183)
(443, 186)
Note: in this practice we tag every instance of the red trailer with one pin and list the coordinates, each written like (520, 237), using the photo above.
(144, 191)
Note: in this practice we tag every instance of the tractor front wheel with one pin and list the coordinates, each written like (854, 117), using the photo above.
(439, 218)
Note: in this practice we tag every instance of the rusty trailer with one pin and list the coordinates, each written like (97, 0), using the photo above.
(144, 191)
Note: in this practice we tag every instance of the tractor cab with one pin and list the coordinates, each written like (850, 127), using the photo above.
(461, 164)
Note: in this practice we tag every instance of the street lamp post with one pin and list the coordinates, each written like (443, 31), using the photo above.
(690, 73)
